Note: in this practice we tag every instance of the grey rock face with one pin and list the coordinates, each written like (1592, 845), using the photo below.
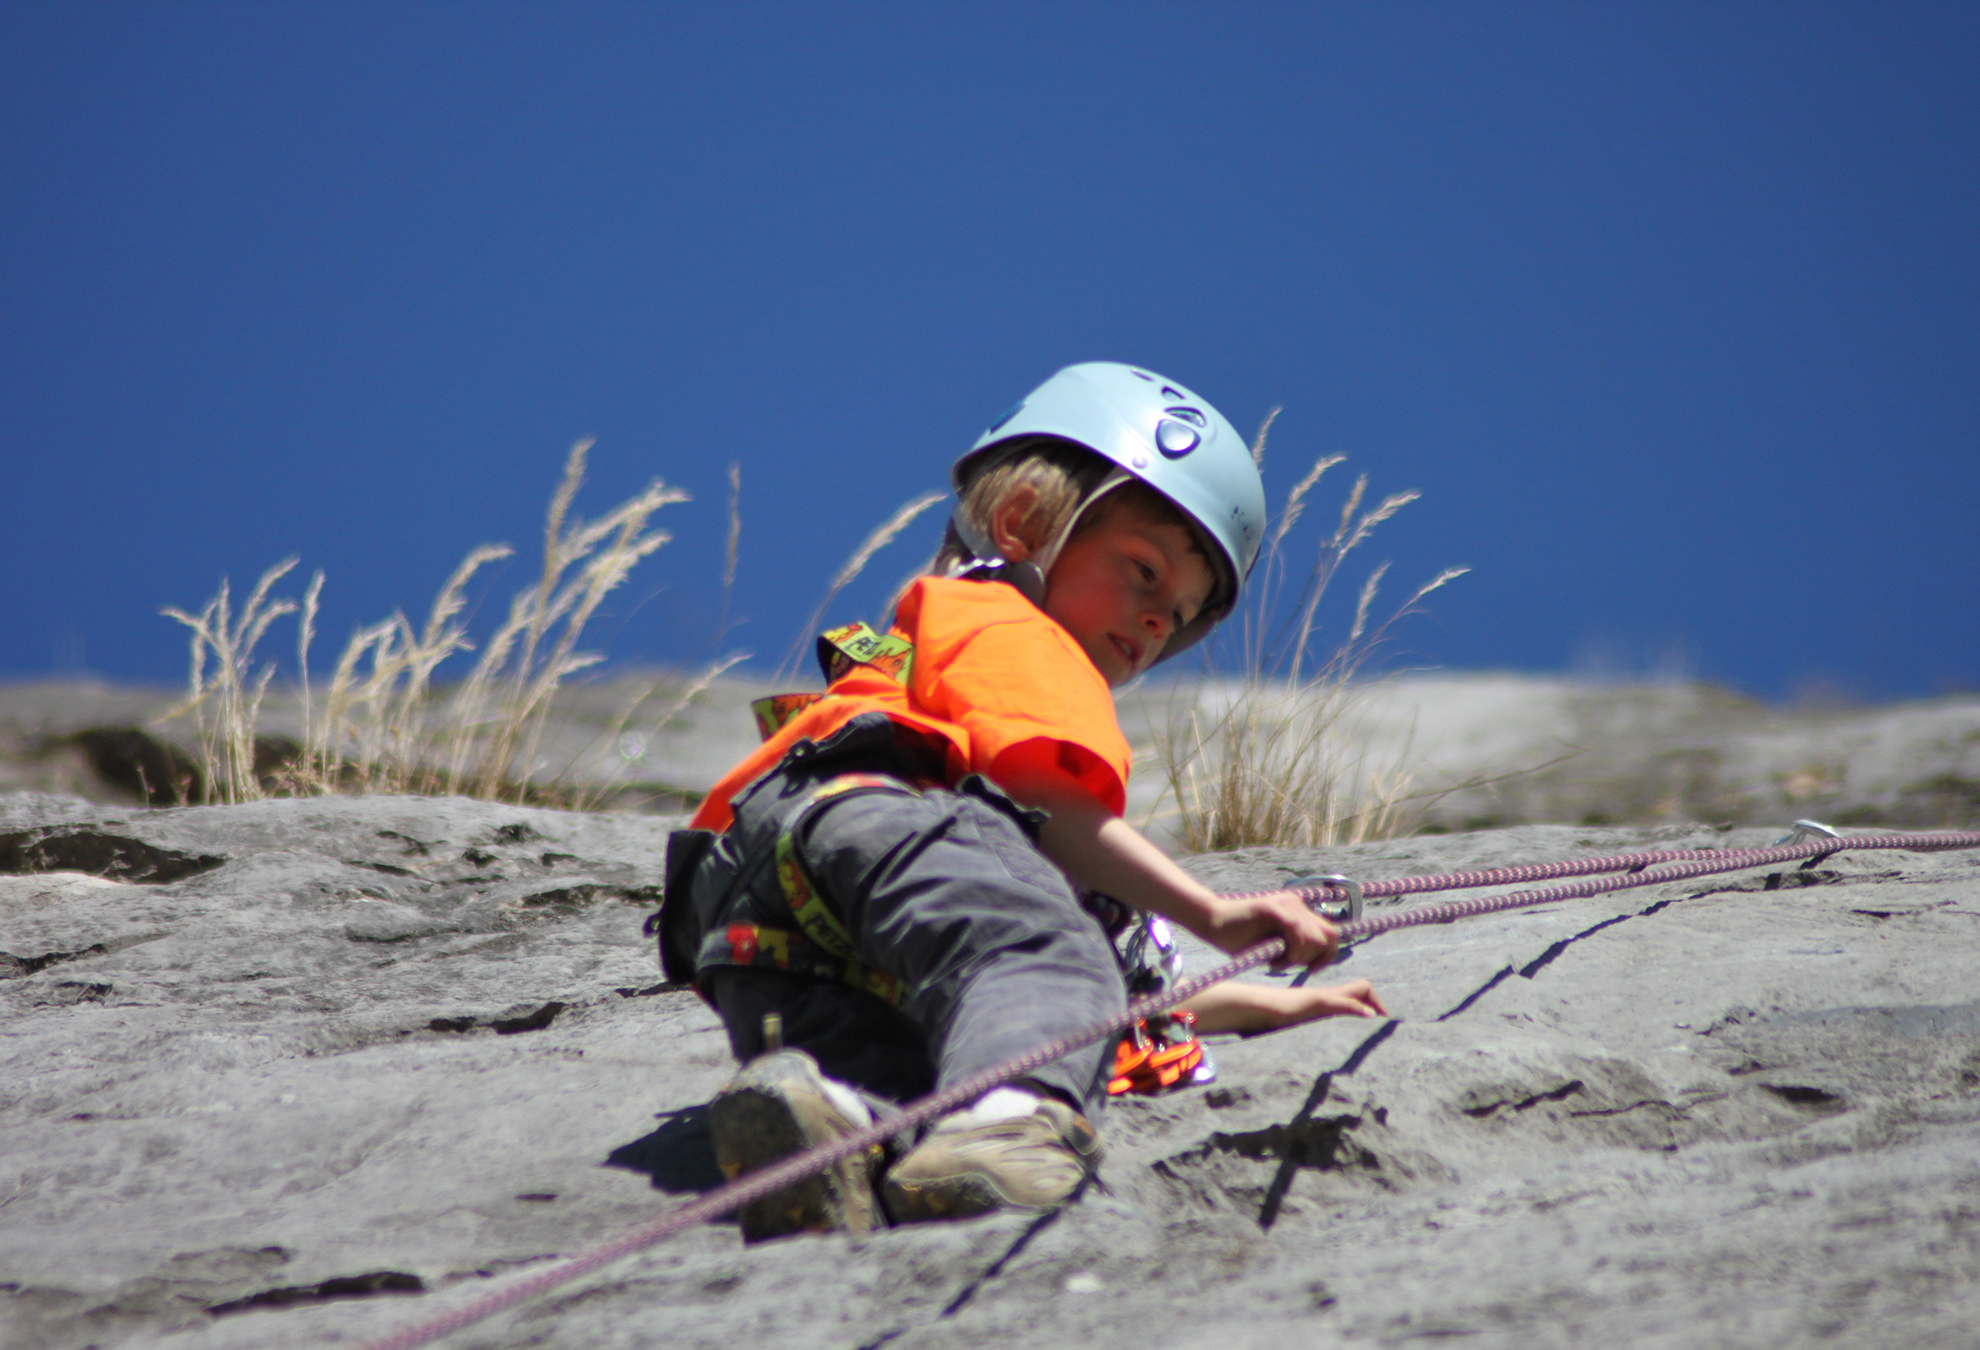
(292, 1073)
(1530, 747)
(1552, 749)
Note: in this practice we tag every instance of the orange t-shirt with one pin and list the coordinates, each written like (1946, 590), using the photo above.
(992, 675)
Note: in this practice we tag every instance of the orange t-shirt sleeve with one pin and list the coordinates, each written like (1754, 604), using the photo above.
(988, 661)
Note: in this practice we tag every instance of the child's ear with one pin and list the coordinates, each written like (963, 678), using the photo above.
(1011, 526)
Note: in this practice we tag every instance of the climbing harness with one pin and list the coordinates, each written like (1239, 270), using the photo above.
(819, 946)
(1602, 875)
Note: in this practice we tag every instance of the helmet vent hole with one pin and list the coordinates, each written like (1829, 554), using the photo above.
(1176, 439)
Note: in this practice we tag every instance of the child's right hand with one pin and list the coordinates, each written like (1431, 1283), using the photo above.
(1236, 924)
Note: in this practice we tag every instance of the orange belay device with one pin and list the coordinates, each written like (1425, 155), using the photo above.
(1161, 1051)
(1156, 1055)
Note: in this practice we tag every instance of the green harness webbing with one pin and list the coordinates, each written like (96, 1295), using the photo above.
(819, 946)
(839, 650)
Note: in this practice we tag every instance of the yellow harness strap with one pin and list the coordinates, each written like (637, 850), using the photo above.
(839, 650)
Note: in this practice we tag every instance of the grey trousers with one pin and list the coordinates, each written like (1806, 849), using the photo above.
(942, 889)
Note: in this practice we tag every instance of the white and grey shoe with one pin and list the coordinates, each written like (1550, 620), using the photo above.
(781, 1104)
(1014, 1149)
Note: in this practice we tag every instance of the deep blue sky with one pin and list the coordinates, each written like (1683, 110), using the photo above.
(1671, 311)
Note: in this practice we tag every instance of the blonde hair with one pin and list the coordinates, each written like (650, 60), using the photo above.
(1061, 474)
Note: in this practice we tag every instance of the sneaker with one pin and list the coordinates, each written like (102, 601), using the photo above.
(1012, 1150)
(781, 1104)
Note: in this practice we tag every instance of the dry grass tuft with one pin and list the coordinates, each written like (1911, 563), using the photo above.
(227, 701)
(1269, 757)
(381, 726)
(496, 720)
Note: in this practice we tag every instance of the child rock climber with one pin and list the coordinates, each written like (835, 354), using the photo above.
(907, 882)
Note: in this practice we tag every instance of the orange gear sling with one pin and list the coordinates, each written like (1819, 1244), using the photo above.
(1153, 1059)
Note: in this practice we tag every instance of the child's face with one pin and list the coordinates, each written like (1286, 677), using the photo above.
(1124, 586)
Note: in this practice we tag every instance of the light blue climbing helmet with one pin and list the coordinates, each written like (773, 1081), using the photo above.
(1153, 430)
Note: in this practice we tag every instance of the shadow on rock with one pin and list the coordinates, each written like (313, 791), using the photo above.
(154, 771)
(1256, 1169)
(679, 1156)
(85, 848)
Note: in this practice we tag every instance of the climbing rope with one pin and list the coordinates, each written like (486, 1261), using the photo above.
(1638, 869)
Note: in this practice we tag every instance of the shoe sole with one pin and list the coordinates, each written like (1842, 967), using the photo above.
(958, 1197)
(962, 1197)
(754, 1127)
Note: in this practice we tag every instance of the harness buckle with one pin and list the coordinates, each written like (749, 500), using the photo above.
(1153, 958)
(1340, 911)
(1807, 829)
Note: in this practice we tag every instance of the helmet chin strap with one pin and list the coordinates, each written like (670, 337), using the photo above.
(987, 562)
